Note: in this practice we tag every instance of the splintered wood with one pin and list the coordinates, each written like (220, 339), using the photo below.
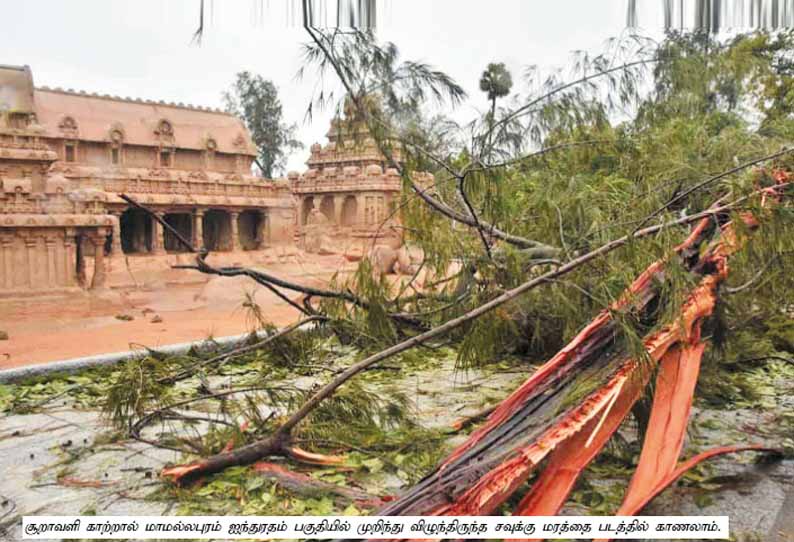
(543, 420)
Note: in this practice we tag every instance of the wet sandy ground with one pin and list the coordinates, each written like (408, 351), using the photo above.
(115, 478)
(55, 329)
(757, 497)
(83, 324)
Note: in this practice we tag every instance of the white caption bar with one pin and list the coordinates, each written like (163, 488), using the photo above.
(373, 527)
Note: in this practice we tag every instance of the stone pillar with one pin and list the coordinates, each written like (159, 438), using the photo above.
(98, 240)
(69, 254)
(158, 243)
(235, 231)
(31, 244)
(261, 233)
(361, 203)
(304, 204)
(115, 244)
(52, 279)
(339, 201)
(198, 229)
(8, 257)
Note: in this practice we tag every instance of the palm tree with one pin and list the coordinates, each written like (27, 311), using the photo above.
(496, 83)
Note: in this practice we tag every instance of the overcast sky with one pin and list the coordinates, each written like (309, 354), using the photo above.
(143, 48)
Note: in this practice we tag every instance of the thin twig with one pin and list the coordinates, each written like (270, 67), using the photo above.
(753, 280)
(187, 373)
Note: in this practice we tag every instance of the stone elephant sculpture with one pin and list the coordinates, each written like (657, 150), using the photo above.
(386, 260)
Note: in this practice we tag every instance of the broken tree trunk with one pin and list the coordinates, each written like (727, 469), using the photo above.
(535, 422)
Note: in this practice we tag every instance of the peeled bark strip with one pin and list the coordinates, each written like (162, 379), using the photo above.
(639, 294)
(687, 465)
(498, 484)
(551, 489)
(522, 431)
(312, 458)
(664, 440)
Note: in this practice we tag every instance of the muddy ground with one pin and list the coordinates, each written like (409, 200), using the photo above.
(153, 306)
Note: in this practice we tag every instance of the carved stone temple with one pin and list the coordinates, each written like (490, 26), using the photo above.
(349, 193)
(66, 155)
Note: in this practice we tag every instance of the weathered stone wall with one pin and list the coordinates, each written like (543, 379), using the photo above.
(48, 259)
(279, 226)
(347, 199)
(190, 166)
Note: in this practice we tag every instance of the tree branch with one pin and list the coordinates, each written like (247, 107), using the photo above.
(712, 180)
(276, 443)
(492, 230)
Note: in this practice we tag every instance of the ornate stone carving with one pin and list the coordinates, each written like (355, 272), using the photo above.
(159, 173)
(68, 127)
(164, 130)
(116, 135)
(239, 142)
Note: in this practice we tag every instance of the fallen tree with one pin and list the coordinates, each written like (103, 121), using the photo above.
(540, 421)
(581, 212)
(590, 344)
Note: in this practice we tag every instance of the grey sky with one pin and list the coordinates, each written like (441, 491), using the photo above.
(142, 48)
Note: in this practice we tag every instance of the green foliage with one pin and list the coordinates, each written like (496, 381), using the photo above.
(496, 81)
(367, 326)
(292, 350)
(255, 100)
(356, 415)
(134, 389)
(486, 339)
(81, 391)
(375, 71)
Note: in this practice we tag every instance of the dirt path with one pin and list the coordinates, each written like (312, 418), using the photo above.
(84, 324)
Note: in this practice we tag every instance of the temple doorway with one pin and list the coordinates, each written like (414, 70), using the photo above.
(249, 224)
(79, 261)
(349, 211)
(136, 232)
(327, 208)
(306, 208)
(181, 222)
(217, 226)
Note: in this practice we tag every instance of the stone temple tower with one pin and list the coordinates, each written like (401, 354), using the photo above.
(349, 193)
